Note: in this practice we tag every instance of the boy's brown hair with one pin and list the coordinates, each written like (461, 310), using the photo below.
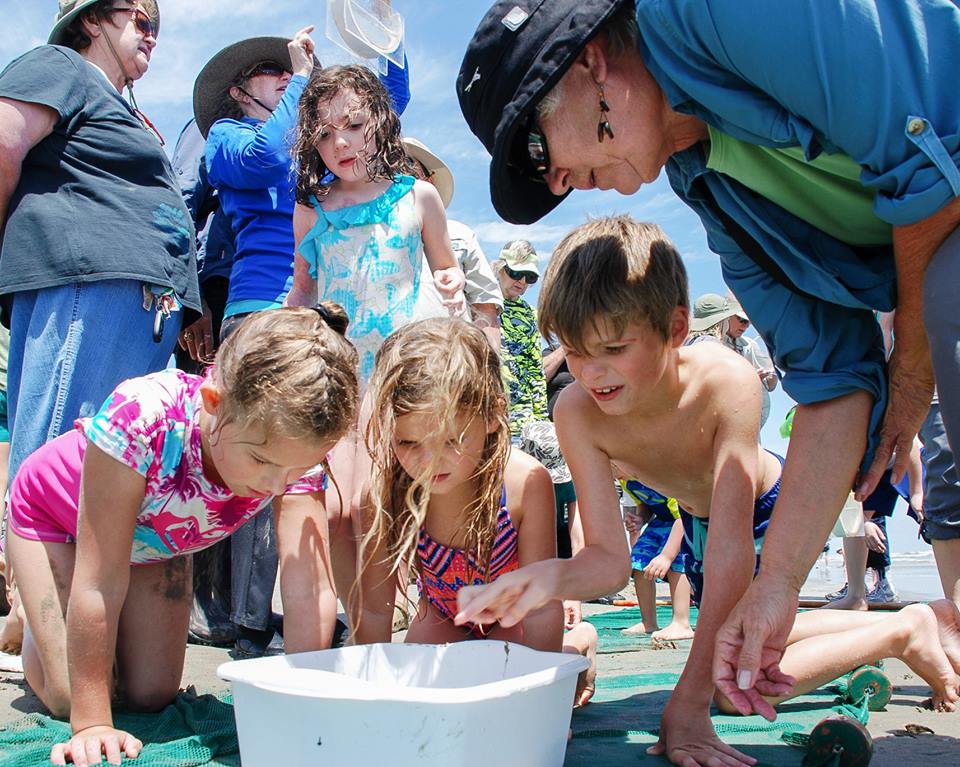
(614, 270)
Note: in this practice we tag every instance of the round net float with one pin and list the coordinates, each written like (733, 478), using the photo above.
(839, 741)
(869, 682)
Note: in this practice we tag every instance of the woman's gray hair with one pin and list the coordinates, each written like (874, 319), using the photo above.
(623, 35)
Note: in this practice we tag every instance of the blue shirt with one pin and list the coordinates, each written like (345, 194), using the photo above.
(874, 79)
(249, 163)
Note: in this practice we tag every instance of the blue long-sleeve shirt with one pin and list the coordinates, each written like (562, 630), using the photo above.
(874, 79)
(249, 163)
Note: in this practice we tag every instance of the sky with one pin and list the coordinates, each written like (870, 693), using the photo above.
(436, 36)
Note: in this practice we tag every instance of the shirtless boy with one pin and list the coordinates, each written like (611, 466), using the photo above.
(682, 419)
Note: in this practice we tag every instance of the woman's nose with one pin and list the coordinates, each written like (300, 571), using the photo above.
(558, 180)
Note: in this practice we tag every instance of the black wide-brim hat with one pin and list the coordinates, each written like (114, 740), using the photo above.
(519, 52)
(218, 74)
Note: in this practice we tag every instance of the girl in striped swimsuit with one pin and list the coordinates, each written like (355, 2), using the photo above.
(448, 497)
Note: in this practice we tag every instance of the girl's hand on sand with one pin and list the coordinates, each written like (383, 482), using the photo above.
(509, 598)
(89, 746)
(450, 284)
(301, 49)
(687, 738)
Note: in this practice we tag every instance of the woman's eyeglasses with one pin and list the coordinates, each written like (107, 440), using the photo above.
(528, 277)
(531, 157)
(271, 68)
(142, 21)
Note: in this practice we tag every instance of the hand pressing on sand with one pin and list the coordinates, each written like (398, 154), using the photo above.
(687, 738)
(89, 746)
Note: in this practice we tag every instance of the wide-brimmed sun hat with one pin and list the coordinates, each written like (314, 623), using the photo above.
(69, 10)
(222, 70)
(711, 308)
(440, 175)
(519, 52)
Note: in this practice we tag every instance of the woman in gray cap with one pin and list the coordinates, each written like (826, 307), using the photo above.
(756, 111)
(98, 247)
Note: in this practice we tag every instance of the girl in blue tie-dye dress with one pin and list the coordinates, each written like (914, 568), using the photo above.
(362, 226)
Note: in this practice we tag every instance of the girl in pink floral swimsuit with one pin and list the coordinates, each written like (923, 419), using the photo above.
(172, 464)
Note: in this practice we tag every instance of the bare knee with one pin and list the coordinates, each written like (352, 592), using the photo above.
(149, 701)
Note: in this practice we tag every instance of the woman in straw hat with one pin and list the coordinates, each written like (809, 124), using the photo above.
(80, 161)
(245, 103)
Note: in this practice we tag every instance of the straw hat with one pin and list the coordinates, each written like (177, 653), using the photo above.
(440, 175)
(221, 72)
(70, 9)
(710, 309)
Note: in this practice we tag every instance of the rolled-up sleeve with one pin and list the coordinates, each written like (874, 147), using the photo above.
(875, 79)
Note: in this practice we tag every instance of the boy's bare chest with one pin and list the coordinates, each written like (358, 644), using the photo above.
(674, 456)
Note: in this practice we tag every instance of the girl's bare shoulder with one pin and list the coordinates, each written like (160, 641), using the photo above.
(527, 483)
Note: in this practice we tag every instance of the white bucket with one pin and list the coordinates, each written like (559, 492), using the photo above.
(393, 705)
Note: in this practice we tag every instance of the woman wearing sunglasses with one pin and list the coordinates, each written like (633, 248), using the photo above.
(245, 103)
(93, 224)
(516, 270)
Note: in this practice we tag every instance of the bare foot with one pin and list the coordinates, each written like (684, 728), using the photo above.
(847, 603)
(639, 628)
(674, 632)
(926, 657)
(948, 625)
(11, 634)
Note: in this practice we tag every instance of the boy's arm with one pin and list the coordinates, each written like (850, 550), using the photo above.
(303, 292)
(603, 566)
(306, 578)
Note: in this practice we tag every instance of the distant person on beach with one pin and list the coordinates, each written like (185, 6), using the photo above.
(655, 556)
(517, 268)
(615, 295)
(722, 319)
(172, 464)
(450, 499)
(818, 144)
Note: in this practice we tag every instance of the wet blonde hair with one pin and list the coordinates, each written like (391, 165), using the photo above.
(612, 270)
(290, 370)
(447, 368)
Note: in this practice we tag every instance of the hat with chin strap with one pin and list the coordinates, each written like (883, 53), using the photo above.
(519, 52)
(69, 10)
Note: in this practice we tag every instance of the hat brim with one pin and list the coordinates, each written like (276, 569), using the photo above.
(61, 24)
(516, 196)
(702, 323)
(440, 175)
(221, 71)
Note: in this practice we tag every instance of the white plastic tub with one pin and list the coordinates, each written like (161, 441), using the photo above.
(394, 705)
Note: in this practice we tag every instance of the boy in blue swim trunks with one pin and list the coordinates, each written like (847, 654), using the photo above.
(615, 295)
(656, 556)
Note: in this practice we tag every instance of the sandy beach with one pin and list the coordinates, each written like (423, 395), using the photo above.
(894, 746)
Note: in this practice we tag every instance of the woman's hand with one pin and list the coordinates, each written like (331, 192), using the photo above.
(687, 738)
(197, 339)
(89, 746)
(301, 49)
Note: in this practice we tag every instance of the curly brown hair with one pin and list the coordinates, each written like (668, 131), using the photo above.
(388, 159)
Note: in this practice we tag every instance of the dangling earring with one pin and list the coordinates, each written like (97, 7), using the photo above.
(603, 126)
